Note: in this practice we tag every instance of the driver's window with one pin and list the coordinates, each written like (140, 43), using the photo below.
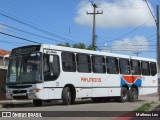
(51, 67)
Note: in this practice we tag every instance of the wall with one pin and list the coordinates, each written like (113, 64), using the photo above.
(2, 84)
(3, 64)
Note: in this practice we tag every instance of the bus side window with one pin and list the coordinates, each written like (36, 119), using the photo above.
(135, 67)
(51, 67)
(124, 66)
(68, 62)
(153, 68)
(112, 65)
(145, 68)
(98, 64)
(83, 63)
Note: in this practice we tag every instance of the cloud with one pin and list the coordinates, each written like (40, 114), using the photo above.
(117, 14)
(135, 44)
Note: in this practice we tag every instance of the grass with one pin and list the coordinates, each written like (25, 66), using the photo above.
(144, 107)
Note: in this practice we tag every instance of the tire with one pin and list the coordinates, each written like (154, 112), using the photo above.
(124, 95)
(133, 95)
(37, 103)
(66, 96)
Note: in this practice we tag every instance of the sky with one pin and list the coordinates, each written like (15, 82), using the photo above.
(125, 27)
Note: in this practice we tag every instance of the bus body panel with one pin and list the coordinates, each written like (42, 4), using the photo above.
(108, 86)
(88, 85)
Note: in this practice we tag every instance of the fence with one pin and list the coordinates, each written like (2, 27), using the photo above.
(2, 84)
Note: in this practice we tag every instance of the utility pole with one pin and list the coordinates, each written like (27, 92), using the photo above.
(94, 24)
(158, 47)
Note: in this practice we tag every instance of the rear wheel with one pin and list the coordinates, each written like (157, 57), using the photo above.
(37, 102)
(124, 95)
(66, 96)
(133, 95)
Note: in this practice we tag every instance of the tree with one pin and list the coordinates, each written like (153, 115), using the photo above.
(65, 45)
(79, 45)
(90, 48)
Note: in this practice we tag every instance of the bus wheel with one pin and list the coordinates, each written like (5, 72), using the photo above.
(133, 95)
(37, 102)
(124, 95)
(66, 96)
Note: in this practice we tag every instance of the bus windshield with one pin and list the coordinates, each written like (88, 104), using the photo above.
(25, 68)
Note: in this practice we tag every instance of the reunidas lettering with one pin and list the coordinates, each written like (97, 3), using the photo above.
(85, 79)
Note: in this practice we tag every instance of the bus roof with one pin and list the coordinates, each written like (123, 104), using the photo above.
(62, 48)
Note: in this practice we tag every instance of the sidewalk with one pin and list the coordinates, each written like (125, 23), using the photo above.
(4, 103)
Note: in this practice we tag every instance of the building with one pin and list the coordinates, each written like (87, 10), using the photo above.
(4, 58)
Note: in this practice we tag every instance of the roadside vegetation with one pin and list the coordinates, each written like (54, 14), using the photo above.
(77, 45)
(144, 107)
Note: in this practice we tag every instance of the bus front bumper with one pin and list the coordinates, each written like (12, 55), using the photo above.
(17, 94)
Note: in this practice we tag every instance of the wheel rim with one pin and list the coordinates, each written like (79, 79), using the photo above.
(124, 95)
(134, 94)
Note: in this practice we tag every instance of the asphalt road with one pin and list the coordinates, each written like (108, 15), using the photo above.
(83, 105)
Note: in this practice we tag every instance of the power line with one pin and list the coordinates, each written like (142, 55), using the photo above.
(17, 33)
(151, 36)
(34, 27)
(133, 30)
(43, 21)
(135, 45)
(27, 13)
(19, 37)
(151, 12)
(40, 36)
(11, 42)
(128, 50)
(112, 31)
(149, 40)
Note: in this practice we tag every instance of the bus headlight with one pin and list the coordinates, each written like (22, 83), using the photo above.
(34, 90)
(8, 91)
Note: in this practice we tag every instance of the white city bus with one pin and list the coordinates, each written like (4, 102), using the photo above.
(49, 72)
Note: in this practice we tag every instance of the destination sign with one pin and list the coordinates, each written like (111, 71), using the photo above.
(25, 49)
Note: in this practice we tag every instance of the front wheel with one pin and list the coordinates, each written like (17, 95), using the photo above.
(124, 95)
(66, 96)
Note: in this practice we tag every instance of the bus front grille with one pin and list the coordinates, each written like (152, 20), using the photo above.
(19, 91)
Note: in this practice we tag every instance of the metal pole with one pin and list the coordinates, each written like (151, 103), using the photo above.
(94, 25)
(158, 49)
